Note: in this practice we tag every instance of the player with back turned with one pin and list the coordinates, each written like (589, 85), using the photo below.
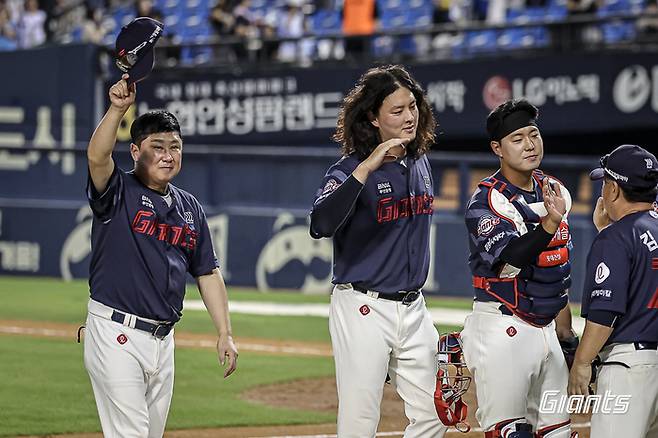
(620, 298)
(519, 257)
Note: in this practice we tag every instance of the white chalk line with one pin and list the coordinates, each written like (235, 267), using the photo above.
(400, 433)
(190, 343)
(440, 316)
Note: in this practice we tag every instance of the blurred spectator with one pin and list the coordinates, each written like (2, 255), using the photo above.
(461, 11)
(579, 33)
(647, 25)
(31, 30)
(65, 17)
(145, 8)
(245, 19)
(580, 7)
(360, 19)
(7, 31)
(173, 51)
(246, 27)
(221, 18)
(293, 25)
(441, 13)
(94, 28)
(496, 12)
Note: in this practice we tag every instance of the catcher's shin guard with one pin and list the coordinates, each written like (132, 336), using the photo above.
(451, 383)
(560, 430)
(512, 428)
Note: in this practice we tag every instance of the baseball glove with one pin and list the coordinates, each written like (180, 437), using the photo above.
(569, 346)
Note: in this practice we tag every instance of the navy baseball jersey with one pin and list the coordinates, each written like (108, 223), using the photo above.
(143, 244)
(499, 212)
(622, 277)
(383, 244)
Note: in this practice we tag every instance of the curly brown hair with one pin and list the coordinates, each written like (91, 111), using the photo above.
(355, 132)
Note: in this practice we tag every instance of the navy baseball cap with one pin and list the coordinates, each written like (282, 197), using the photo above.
(134, 47)
(629, 165)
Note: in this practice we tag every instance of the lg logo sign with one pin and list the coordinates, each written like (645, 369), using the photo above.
(634, 87)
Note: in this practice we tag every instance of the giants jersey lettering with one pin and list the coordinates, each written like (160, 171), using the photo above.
(143, 248)
(622, 277)
(146, 222)
(384, 242)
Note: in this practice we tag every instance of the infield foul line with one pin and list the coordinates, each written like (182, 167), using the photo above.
(400, 433)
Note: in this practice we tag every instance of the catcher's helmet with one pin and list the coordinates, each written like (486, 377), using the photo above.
(451, 383)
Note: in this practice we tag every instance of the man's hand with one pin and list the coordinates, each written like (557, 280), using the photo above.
(600, 215)
(226, 349)
(122, 95)
(579, 378)
(386, 152)
(555, 205)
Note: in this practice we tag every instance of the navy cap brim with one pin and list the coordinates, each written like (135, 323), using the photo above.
(142, 68)
(596, 174)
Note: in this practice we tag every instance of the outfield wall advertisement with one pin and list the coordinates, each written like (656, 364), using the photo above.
(267, 249)
(575, 94)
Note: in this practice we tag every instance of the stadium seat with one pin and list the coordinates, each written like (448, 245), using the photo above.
(481, 41)
(326, 22)
(616, 32)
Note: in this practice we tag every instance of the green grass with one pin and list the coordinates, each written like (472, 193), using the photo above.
(46, 390)
(47, 299)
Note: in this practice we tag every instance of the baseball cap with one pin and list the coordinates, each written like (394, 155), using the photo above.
(134, 47)
(629, 165)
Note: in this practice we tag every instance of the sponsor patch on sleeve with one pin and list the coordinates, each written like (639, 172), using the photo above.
(487, 224)
(602, 273)
(330, 186)
(602, 294)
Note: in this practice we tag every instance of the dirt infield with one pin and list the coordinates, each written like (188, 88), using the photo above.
(310, 394)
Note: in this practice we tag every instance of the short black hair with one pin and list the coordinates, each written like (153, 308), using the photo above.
(153, 122)
(634, 194)
(496, 117)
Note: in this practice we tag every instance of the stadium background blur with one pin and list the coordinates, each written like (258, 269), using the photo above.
(257, 85)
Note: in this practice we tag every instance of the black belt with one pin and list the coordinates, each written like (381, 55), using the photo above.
(157, 330)
(645, 345)
(406, 297)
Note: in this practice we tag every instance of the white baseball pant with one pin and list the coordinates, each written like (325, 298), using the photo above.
(370, 338)
(132, 375)
(513, 363)
(640, 381)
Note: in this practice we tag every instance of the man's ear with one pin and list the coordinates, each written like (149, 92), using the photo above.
(496, 148)
(373, 119)
(615, 191)
(134, 151)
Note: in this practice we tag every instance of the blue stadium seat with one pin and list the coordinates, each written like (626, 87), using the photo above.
(521, 38)
(557, 12)
(7, 45)
(481, 41)
(614, 7)
(326, 22)
(618, 32)
(395, 19)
